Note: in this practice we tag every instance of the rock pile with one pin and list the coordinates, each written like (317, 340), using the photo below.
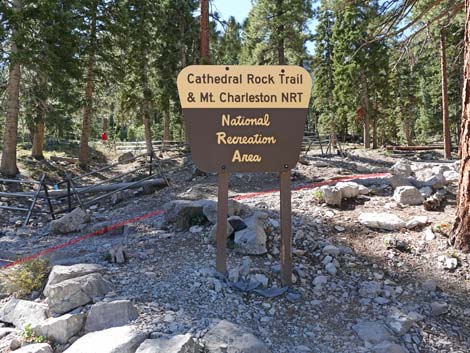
(415, 182)
(106, 326)
(247, 228)
(333, 195)
(74, 221)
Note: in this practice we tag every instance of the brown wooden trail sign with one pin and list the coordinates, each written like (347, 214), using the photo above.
(246, 119)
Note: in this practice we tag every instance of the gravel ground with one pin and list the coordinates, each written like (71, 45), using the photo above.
(170, 275)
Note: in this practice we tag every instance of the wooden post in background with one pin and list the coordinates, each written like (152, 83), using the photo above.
(286, 229)
(222, 211)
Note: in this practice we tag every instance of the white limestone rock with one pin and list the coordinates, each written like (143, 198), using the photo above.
(124, 339)
(386, 221)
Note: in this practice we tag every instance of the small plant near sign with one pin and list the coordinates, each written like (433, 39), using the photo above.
(442, 229)
(318, 195)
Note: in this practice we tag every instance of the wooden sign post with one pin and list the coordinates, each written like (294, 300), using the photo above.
(246, 119)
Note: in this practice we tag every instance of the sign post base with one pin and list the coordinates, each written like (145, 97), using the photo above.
(286, 226)
(222, 211)
(286, 229)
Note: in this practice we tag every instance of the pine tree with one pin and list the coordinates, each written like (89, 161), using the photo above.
(360, 71)
(227, 48)
(92, 47)
(8, 164)
(276, 32)
(322, 69)
(461, 228)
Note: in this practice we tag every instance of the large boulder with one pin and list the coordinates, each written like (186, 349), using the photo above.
(124, 339)
(230, 231)
(252, 240)
(386, 221)
(72, 293)
(113, 314)
(402, 168)
(417, 221)
(436, 182)
(235, 208)
(408, 195)
(399, 180)
(331, 195)
(228, 337)
(62, 273)
(348, 189)
(183, 214)
(22, 312)
(5, 331)
(35, 348)
(60, 329)
(74, 221)
(172, 344)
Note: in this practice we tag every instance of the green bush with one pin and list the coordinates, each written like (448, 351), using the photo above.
(30, 337)
(26, 278)
(318, 194)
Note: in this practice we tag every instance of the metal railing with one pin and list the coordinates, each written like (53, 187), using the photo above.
(76, 191)
(40, 184)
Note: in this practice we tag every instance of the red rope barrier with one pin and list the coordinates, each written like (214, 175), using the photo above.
(160, 212)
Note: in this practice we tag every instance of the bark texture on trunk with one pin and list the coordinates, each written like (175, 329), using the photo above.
(84, 153)
(407, 130)
(146, 104)
(105, 125)
(366, 103)
(205, 48)
(374, 132)
(280, 32)
(461, 228)
(41, 111)
(38, 139)
(166, 128)
(445, 97)
(8, 164)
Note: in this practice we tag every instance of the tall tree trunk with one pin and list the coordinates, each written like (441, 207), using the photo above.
(84, 153)
(38, 139)
(407, 130)
(445, 97)
(146, 101)
(41, 111)
(8, 165)
(461, 228)
(166, 127)
(366, 131)
(374, 131)
(205, 48)
(280, 32)
(366, 103)
(105, 125)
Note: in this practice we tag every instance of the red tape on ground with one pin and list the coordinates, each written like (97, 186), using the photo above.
(160, 212)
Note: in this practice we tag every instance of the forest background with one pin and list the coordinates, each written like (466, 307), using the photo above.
(94, 65)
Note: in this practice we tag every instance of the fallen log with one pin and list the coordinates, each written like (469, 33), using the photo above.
(69, 160)
(433, 202)
(414, 148)
(95, 189)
